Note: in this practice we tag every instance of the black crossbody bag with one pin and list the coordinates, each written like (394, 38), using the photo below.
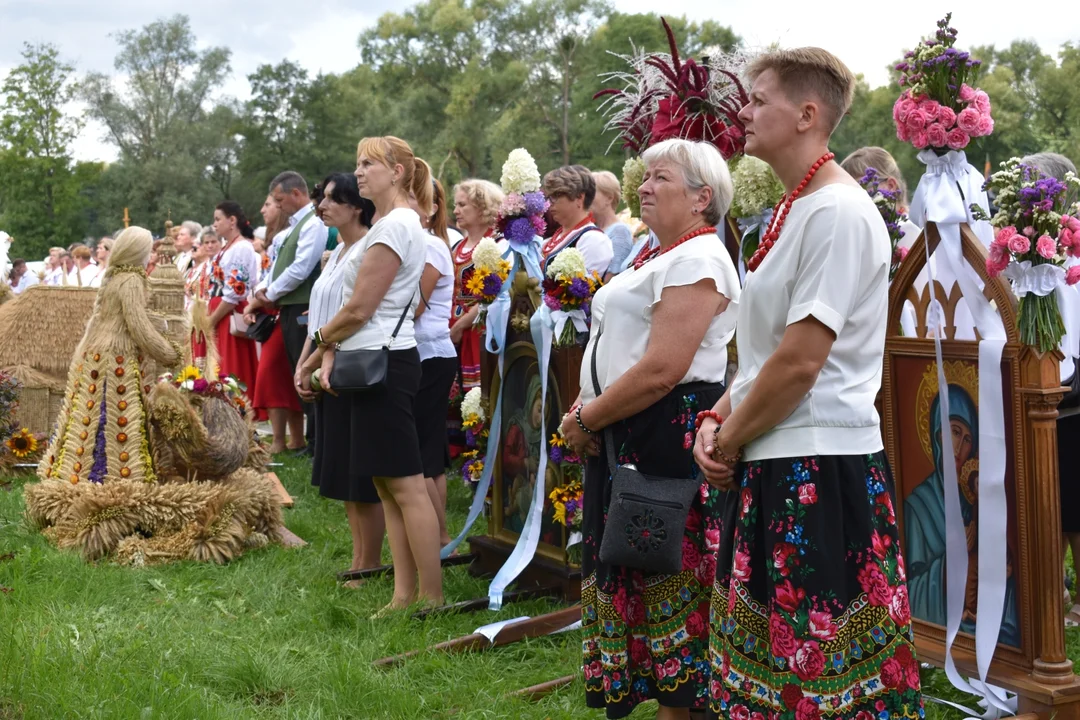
(364, 370)
(646, 517)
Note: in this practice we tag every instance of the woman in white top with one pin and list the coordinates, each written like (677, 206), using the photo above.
(809, 561)
(659, 338)
(571, 191)
(382, 278)
(605, 208)
(438, 356)
(101, 255)
(335, 469)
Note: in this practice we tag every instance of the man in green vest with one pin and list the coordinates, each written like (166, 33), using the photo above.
(297, 251)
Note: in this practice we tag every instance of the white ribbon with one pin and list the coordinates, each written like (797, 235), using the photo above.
(559, 318)
(1039, 280)
(541, 326)
(944, 195)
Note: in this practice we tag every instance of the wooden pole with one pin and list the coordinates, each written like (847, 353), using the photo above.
(127, 219)
(536, 692)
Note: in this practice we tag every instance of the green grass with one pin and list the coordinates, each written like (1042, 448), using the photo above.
(271, 635)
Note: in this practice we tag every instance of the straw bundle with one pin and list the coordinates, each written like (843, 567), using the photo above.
(49, 323)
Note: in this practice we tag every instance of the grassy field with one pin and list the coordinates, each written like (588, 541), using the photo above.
(269, 636)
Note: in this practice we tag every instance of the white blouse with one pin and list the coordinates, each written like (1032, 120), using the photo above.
(831, 263)
(399, 230)
(326, 293)
(624, 308)
(433, 326)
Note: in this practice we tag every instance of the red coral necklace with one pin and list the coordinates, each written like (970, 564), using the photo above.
(561, 234)
(780, 215)
(645, 256)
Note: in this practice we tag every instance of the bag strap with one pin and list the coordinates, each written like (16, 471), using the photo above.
(401, 321)
(609, 436)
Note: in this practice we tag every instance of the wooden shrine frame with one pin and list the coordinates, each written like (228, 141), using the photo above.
(1038, 670)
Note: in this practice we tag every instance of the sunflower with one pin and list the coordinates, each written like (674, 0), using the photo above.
(189, 373)
(475, 286)
(22, 444)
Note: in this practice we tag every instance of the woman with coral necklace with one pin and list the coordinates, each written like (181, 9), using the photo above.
(809, 562)
(571, 191)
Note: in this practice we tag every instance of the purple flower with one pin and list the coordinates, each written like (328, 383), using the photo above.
(101, 463)
(470, 439)
(556, 455)
(579, 288)
(520, 231)
(492, 285)
(539, 224)
(200, 385)
(535, 203)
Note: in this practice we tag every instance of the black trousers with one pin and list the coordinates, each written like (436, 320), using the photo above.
(295, 335)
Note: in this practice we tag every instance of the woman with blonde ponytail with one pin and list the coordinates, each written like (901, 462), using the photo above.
(381, 280)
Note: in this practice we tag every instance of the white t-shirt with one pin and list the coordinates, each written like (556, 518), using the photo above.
(831, 262)
(624, 308)
(326, 293)
(399, 230)
(432, 328)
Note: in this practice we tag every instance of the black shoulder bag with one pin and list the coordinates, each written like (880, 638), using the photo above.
(646, 517)
(262, 328)
(364, 370)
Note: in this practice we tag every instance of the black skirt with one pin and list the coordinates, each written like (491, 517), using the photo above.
(384, 440)
(1069, 472)
(647, 636)
(430, 408)
(332, 471)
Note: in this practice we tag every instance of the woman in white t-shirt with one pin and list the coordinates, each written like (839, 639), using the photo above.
(659, 344)
(811, 549)
(438, 356)
(336, 471)
(379, 295)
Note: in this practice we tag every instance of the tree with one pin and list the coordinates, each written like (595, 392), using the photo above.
(41, 205)
(171, 140)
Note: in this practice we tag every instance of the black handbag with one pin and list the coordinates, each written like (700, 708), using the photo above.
(646, 517)
(364, 370)
(263, 327)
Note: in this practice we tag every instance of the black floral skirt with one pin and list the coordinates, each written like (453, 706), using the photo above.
(810, 615)
(646, 636)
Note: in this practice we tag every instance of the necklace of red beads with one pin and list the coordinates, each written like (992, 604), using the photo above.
(648, 253)
(462, 254)
(780, 214)
(561, 234)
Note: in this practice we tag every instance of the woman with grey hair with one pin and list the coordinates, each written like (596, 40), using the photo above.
(659, 340)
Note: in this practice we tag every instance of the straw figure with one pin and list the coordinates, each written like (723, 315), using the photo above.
(101, 432)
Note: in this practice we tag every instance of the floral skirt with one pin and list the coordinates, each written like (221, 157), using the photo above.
(810, 615)
(646, 636)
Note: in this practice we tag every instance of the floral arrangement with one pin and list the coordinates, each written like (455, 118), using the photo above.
(938, 108)
(490, 271)
(521, 214)
(568, 288)
(21, 448)
(885, 200)
(757, 191)
(633, 174)
(566, 500)
(473, 421)
(191, 380)
(664, 96)
(1037, 228)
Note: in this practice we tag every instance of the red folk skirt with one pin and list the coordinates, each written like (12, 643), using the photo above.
(237, 356)
(274, 383)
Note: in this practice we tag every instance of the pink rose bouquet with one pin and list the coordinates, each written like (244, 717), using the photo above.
(1037, 224)
(938, 108)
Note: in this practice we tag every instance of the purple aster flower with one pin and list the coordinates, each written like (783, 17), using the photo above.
(101, 463)
(535, 203)
(470, 438)
(579, 288)
(556, 455)
(492, 285)
(519, 231)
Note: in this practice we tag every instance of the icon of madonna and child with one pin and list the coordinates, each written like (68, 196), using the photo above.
(924, 505)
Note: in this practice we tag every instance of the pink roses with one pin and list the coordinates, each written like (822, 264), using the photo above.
(808, 662)
(875, 584)
(782, 637)
(925, 122)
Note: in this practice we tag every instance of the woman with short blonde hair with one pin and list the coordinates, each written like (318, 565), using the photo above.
(605, 208)
(658, 349)
(811, 549)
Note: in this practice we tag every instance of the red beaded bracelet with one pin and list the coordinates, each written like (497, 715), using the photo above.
(707, 414)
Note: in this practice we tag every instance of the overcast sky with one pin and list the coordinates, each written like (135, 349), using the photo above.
(323, 37)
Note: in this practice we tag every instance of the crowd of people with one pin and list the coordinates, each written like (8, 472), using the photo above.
(790, 552)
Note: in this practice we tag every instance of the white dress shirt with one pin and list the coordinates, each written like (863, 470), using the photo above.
(83, 277)
(54, 277)
(25, 281)
(309, 250)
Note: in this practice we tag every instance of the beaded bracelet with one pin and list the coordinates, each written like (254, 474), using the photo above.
(701, 416)
(577, 416)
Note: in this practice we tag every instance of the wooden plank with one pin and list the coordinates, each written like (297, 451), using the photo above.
(536, 692)
(284, 498)
(451, 561)
(533, 627)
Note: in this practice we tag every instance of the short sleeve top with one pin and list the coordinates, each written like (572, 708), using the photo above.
(624, 308)
(831, 262)
(234, 271)
(399, 230)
